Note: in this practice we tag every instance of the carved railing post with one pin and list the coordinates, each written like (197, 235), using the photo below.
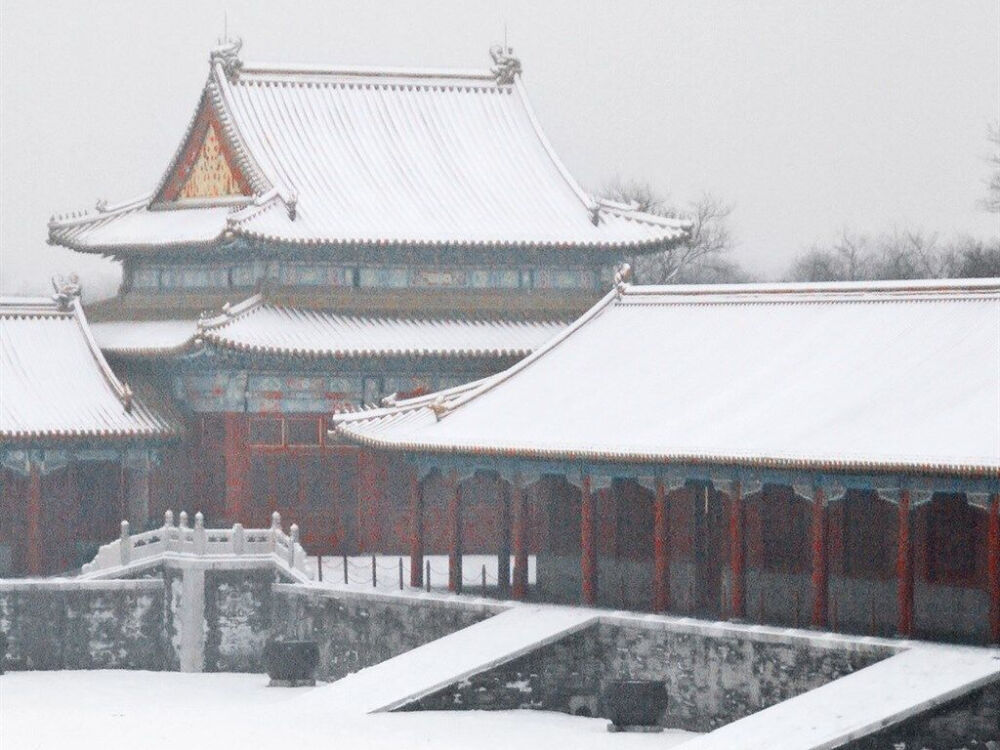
(293, 544)
(168, 531)
(125, 544)
(200, 537)
(239, 539)
(272, 537)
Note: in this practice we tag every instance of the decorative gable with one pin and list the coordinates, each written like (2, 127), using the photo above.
(206, 167)
(211, 176)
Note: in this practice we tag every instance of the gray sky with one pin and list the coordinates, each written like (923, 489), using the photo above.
(808, 116)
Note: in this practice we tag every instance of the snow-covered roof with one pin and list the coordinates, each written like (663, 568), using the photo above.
(888, 376)
(55, 384)
(144, 337)
(255, 326)
(349, 156)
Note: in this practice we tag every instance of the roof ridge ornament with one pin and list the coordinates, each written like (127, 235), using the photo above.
(227, 54)
(506, 67)
(67, 290)
(623, 278)
(439, 407)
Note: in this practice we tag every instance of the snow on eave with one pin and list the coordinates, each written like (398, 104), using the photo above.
(212, 331)
(830, 291)
(405, 405)
(230, 313)
(102, 211)
(358, 435)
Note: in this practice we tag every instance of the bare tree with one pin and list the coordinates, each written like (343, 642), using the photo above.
(970, 258)
(908, 254)
(848, 259)
(992, 200)
(700, 259)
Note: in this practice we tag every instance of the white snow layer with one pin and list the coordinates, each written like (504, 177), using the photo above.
(886, 376)
(55, 382)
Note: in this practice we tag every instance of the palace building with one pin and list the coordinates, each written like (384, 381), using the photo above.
(326, 238)
(815, 454)
(77, 445)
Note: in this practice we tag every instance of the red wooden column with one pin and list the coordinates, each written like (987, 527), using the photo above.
(737, 554)
(993, 567)
(819, 568)
(416, 530)
(661, 550)
(455, 526)
(503, 501)
(588, 546)
(237, 458)
(34, 513)
(367, 501)
(520, 534)
(904, 566)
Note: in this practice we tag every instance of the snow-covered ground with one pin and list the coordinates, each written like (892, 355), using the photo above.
(170, 710)
(359, 571)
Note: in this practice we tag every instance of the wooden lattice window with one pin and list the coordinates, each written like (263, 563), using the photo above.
(867, 552)
(317, 489)
(265, 431)
(785, 530)
(951, 539)
(564, 505)
(304, 431)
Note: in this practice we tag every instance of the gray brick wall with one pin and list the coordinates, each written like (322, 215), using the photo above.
(355, 631)
(711, 680)
(101, 625)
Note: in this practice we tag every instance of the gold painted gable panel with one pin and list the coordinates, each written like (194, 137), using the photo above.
(210, 176)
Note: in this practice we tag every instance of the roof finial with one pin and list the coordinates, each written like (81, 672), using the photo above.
(228, 55)
(507, 67)
(67, 290)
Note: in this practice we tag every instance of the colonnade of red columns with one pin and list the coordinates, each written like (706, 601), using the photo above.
(518, 513)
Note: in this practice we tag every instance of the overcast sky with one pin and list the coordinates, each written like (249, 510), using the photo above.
(809, 117)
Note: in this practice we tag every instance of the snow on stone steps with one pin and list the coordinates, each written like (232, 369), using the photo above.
(435, 665)
(884, 694)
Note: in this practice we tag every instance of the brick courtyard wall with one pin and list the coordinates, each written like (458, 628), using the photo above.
(711, 679)
(84, 624)
(355, 631)
(971, 721)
